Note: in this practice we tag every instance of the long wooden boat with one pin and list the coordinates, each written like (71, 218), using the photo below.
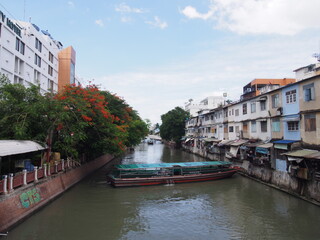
(128, 175)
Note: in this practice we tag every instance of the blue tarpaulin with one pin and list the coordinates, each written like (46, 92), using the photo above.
(285, 141)
(262, 150)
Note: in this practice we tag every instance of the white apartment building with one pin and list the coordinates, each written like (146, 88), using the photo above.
(251, 119)
(307, 71)
(206, 104)
(28, 55)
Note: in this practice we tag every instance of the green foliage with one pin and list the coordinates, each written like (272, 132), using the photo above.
(76, 122)
(173, 124)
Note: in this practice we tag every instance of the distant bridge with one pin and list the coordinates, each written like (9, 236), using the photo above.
(155, 137)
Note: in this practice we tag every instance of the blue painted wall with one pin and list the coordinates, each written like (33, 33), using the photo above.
(290, 110)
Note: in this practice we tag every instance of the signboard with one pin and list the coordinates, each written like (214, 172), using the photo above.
(13, 26)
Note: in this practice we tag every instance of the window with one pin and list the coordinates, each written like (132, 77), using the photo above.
(276, 125)
(0, 29)
(291, 96)
(18, 80)
(237, 112)
(211, 117)
(253, 126)
(225, 113)
(20, 46)
(231, 129)
(50, 85)
(50, 57)
(36, 77)
(293, 126)
(308, 91)
(264, 126)
(262, 105)
(50, 70)
(310, 122)
(225, 128)
(245, 127)
(275, 100)
(72, 74)
(38, 45)
(237, 129)
(253, 107)
(244, 108)
(37, 60)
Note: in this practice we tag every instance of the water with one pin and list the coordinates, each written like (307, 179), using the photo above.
(234, 208)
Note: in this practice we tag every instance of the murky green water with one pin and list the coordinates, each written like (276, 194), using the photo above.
(234, 208)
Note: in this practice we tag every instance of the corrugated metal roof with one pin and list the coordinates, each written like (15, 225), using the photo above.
(238, 142)
(225, 142)
(266, 145)
(253, 144)
(13, 147)
(315, 155)
(210, 140)
(285, 141)
(301, 153)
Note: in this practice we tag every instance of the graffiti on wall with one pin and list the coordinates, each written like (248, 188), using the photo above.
(30, 197)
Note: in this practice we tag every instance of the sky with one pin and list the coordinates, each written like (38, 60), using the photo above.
(158, 54)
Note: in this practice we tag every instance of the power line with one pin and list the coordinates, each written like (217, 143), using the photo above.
(8, 12)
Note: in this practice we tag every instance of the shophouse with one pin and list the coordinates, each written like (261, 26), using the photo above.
(309, 90)
(276, 111)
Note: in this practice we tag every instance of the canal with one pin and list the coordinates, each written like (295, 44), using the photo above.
(234, 208)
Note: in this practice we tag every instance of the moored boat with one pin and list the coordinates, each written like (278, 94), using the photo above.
(128, 175)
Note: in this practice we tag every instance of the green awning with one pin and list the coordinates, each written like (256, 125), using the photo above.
(170, 165)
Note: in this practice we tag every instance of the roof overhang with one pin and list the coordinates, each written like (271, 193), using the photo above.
(14, 147)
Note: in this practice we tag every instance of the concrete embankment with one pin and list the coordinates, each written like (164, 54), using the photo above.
(24, 201)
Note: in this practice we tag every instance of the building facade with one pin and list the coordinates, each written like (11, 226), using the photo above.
(30, 56)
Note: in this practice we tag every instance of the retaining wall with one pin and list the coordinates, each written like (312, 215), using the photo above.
(15, 206)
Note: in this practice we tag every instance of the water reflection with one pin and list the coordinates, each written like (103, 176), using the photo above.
(234, 208)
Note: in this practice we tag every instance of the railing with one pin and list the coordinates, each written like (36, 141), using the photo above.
(9, 182)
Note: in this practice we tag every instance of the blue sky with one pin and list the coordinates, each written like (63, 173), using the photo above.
(157, 54)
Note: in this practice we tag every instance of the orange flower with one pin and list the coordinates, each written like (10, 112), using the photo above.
(86, 118)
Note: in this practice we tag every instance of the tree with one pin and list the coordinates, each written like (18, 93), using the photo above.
(173, 124)
(135, 127)
(76, 122)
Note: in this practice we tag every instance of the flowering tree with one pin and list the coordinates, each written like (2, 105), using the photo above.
(76, 122)
(89, 123)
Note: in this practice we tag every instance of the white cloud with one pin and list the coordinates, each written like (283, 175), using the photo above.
(158, 23)
(192, 13)
(71, 4)
(99, 22)
(285, 17)
(227, 68)
(124, 8)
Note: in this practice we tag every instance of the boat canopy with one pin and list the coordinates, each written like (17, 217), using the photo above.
(170, 165)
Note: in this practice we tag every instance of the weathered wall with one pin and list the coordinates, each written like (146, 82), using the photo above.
(15, 206)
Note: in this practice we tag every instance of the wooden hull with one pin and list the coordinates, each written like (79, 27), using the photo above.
(157, 180)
